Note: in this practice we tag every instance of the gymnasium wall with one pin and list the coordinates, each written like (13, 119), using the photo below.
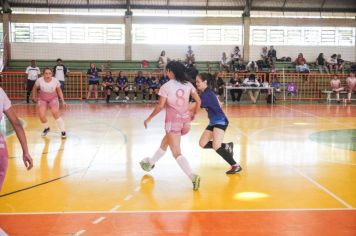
(151, 52)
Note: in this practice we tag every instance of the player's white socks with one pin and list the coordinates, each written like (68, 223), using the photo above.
(158, 154)
(349, 96)
(45, 125)
(60, 124)
(184, 165)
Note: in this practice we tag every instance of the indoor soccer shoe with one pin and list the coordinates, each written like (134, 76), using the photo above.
(63, 135)
(196, 182)
(145, 165)
(45, 132)
(234, 169)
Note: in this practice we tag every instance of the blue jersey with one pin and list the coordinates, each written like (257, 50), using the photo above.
(108, 79)
(121, 80)
(152, 82)
(210, 102)
(163, 80)
(93, 74)
(140, 80)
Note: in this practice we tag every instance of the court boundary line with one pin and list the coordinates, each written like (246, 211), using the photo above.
(181, 211)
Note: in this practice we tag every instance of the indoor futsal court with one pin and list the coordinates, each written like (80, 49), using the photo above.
(270, 152)
(298, 175)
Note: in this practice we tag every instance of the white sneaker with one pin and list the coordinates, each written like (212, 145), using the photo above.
(117, 98)
(135, 98)
(127, 98)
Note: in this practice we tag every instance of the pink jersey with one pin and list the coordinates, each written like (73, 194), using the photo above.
(351, 83)
(5, 103)
(177, 106)
(335, 83)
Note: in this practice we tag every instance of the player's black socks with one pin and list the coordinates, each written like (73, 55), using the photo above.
(225, 154)
(209, 145)
(149, 96)
(126, 93)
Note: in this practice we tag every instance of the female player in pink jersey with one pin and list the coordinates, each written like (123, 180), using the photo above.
(213, 135)
(49, 91)
(351, 85)
(5, 107)
(335, 85)
(174, 96)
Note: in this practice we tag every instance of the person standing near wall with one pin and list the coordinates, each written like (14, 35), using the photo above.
(32, 72)
(60, 72)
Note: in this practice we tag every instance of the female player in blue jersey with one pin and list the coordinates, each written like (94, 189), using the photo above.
(213, 135)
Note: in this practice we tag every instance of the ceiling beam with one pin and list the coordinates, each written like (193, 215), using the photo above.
(322, 5)
(164, 7)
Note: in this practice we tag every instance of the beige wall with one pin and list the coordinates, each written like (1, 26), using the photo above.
(151, 52)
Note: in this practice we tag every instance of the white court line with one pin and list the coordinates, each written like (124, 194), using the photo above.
(114, 208)
(98, 220)
(323, 188)
(182, 211)
(128, 197)
(80, 232)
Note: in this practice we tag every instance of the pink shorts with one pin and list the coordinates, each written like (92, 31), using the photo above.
(48, 100)
(177, 128)
(3, 160)
(351, 87)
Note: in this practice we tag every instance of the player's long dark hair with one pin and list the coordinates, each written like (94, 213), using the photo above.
(210, 80)
(179, 71)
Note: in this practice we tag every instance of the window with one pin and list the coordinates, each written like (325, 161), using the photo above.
(67, 33)
(279, 35)
(183, 34)
(21, 32)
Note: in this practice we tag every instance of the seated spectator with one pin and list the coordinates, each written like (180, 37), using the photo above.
(272, 55)
(152, 84)
(122, 84)
(240, 67)
(190, 57)
(252, 67)
(321, 63)
(218, 84)
(235, 82)
(236, 56)
(333, 63)
(340, 63)
(140, 82)
(263, 62)
(224, 63)
(108, 85)
(301, 64)
(162, 60)
(335, 85)
(251, 81)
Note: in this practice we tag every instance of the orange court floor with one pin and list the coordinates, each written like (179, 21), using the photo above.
(298, 177)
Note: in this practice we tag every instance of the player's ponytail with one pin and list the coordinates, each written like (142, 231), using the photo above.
(178, 70)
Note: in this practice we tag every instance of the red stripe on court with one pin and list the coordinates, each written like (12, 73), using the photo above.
(186, 223)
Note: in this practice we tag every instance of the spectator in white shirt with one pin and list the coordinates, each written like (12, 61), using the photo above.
(224, 63)
(32, 72)
(60, 72)
(163, 60)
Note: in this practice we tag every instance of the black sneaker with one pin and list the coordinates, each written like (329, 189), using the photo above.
(63, 135)
(234, 169)
(45, 132)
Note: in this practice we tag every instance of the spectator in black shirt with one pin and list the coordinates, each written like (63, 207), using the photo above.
(235, 82)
